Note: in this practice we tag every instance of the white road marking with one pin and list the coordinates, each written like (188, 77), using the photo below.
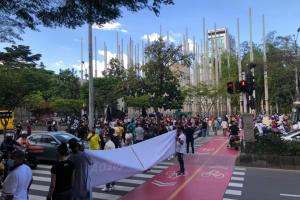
(35, 197)
(227, 199)
(239, 173)
(156, 171)
(106, 196)
(131, 181)
(240, 168)
(234, 178)
(231, 184)
(39, 187)
(119, 188)
(291, 195)
(234, 192)
(144, 175)
(160, 167)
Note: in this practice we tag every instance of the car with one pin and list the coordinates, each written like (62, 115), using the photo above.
(43, 145)
(292, 136)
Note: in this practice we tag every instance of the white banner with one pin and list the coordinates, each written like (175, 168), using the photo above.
(116, 164)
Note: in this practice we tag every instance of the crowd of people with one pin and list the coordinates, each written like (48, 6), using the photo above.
(70, 177)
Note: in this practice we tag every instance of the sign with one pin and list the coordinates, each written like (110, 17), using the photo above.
(6, 118)
(111, 165)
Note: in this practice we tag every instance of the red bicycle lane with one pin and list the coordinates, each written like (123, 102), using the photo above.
(208, 172)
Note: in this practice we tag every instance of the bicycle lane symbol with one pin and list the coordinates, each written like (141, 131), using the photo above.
(172, 174)
(213, 173)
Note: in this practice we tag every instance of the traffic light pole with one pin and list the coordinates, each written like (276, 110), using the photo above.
(265, 68)
(239, 65)
(244, 96)
(251, 55)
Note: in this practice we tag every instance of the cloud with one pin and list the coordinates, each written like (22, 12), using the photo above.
(59, 64)
(110, 26)
(154, 37)
(100, 64)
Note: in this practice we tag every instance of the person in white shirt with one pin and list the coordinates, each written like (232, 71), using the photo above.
(18, 181)
(108, 146)
(224, 125)
(180, 149)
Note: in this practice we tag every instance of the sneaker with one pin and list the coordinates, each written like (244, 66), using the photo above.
(105, 189)
(180, 174)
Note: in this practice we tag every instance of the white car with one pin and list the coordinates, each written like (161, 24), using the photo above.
(292, 136)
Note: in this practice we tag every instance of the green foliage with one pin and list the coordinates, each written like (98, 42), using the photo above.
(66, 105)
(16, 15)
(138, 101)
(274, 145)
(160, 83)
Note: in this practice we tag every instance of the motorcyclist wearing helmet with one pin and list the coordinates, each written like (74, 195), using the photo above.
(8, 144)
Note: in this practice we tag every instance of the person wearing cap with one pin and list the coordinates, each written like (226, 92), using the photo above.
(62, 175)
(82, 189)
(18, 181)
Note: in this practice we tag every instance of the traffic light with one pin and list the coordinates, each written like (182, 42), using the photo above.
(237, 87)
(243, 86)
(249, 83)
(230, 87)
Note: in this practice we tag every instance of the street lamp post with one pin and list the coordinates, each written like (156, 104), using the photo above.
(296, 68)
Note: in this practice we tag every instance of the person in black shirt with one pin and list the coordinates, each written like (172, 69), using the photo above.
(62, 175)
(189, 132)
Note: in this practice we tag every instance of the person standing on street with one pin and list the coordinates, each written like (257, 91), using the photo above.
(189, 132)
(29, 128)
(62, 175)
(180, 144)
(108, 146)
(139, 133)
(82, 189)
(18, 181)
(94, 140)
(204, 128)
(224, 125)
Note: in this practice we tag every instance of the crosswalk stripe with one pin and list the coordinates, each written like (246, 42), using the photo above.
(119, 188)
(39, 187)
(231, 184)
(233, 192)
(239, 173)
(106, 196)
(133, 181)
(160, 167)
(38, 171)
(144, 175)
(44, 166)
(240, 168)
(36, 197)
(157, 171)
(234, 178)
(39, 178)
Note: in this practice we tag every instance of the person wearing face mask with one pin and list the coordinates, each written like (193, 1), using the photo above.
(18, 181)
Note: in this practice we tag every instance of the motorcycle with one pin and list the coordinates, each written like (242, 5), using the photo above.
(235, 142)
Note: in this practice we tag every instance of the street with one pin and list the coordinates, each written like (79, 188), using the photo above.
(41, 180)
(270, 184)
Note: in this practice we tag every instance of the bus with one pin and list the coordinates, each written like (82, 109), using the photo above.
(10, 125)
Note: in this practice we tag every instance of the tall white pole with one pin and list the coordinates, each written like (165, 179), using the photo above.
(81, 62)
(105, 56)
(265, 68)
(251, 50)
(96, 72)
(204, 52)
(91, 84)
(242, 107)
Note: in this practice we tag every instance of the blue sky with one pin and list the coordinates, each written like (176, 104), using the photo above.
(60, 47)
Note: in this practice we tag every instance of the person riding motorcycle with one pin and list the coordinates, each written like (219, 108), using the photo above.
(234, 133)
(8, 144)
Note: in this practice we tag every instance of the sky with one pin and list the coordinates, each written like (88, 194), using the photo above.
(60, 47)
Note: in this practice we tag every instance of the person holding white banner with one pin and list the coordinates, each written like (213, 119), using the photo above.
(180, 148)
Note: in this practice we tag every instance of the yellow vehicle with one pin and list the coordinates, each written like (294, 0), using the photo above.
(10, 125)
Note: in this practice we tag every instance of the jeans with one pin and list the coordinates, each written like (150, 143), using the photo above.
(204, 132)
(188, 142)
(181, 162)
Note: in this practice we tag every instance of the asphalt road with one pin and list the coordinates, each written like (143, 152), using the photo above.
(271, 184)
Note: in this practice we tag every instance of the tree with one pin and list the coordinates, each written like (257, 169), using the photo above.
(206, 95)
(66, 85)
(16, 15)
(19, 75)
(160, 83)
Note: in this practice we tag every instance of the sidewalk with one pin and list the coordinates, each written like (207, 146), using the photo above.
(208, 172)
